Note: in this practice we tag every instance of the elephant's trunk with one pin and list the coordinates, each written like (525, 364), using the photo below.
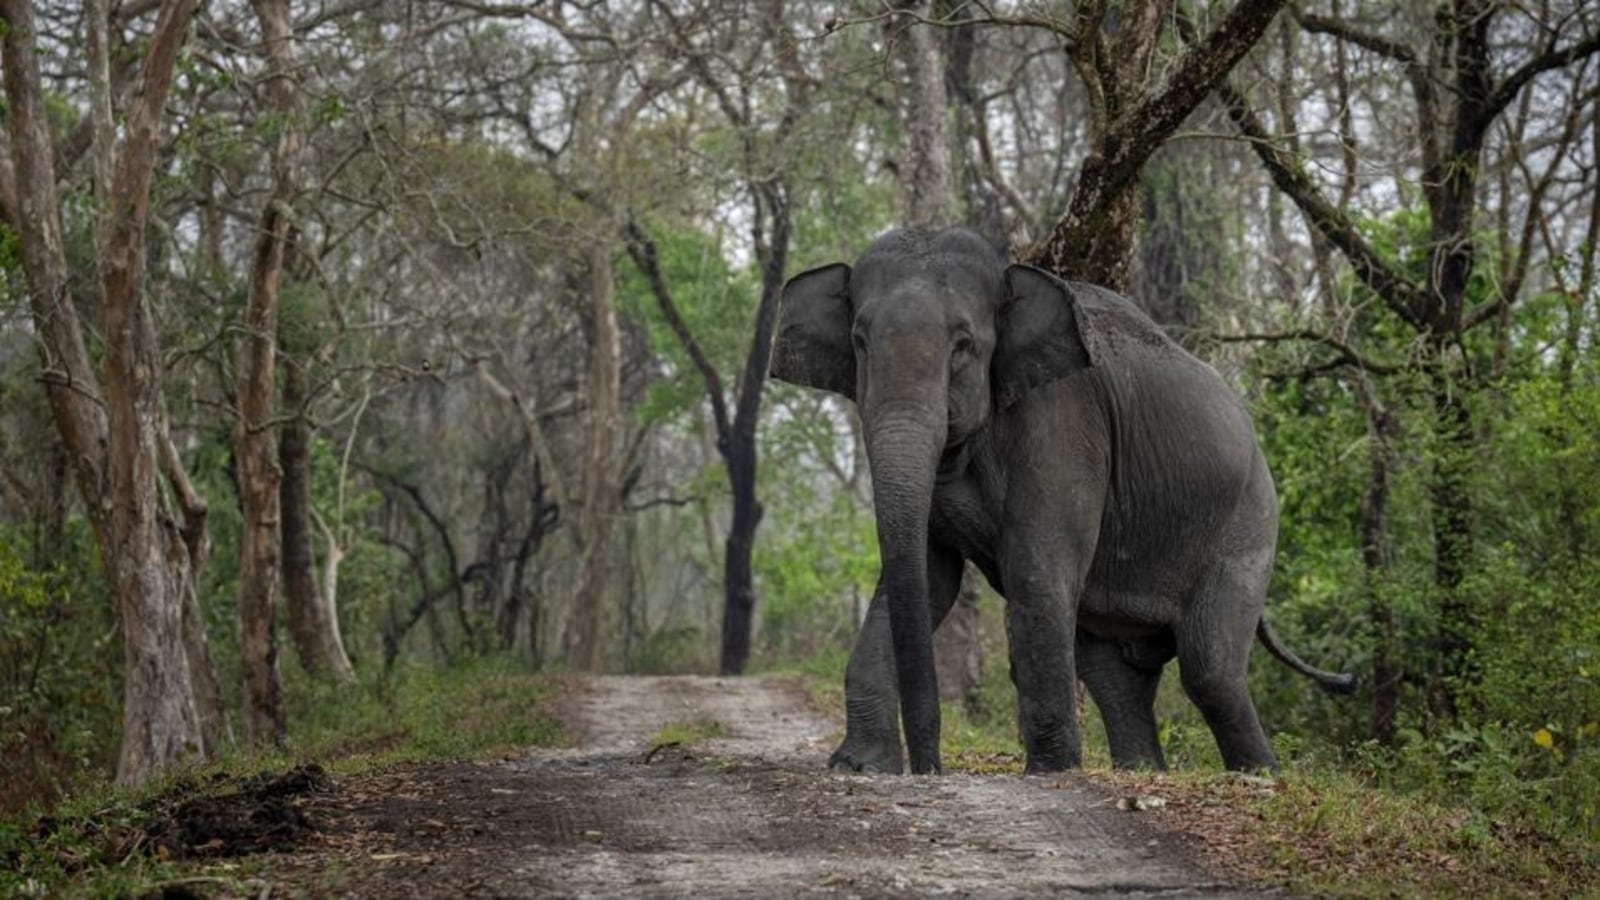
(904, 442)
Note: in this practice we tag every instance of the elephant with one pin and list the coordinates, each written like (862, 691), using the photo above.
(1107, 483)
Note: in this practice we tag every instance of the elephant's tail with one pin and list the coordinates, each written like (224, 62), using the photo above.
(1332, 682)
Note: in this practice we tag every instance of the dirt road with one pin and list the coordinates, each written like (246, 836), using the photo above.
(748, 813)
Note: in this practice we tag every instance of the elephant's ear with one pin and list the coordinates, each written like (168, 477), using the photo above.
(1039, 338)
(813, 345)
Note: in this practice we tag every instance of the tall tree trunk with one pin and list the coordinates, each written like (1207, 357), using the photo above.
(599, 491)
(117, 446)
(1377, 558)
(927, 188)
(149, 560)
(739, 449)
(1573, 522)
(770, 228)
(313, 618)
(254, 447)
(738, 575)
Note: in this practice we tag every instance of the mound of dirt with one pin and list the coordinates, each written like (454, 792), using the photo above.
(234, 816)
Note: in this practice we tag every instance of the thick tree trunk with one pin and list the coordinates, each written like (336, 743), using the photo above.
(599, 492)
(161, 721)
(116, 448)
(927, 188)
(1095, 238)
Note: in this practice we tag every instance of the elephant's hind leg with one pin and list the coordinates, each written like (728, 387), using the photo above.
(1124, 690)
(1214, 641)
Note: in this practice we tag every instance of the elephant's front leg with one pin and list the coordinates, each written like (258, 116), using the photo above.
(872, 704)
(1039, 629)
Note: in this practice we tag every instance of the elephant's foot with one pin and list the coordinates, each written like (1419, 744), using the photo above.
(864, 755)
(1057, 751)
(1048, 765)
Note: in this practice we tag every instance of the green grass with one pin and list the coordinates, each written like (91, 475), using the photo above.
(90, 843)
(1335, 834)
(686, 734)
(474, 709)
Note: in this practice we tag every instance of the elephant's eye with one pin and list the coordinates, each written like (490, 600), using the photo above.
(961, 346)
(859, 341)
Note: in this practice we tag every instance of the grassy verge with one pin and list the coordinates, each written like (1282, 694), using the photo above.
(1320, 829)
(101, 841)
(1329, 833)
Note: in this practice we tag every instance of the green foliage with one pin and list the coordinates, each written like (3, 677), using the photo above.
(717, 303)
(1522, 745)
(478, 707)
(1337, 836)
(817, 560)
(60, 683)
(814, 570)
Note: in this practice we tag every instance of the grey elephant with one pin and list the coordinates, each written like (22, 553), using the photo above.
(1108, 484)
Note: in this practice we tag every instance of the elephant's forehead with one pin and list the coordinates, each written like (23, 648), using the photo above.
(920, 287)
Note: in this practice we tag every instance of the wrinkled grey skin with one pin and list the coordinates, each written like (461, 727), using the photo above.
(1107, 483)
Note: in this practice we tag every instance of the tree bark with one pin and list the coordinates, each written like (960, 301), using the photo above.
(1377, 557)
(740, 450)
(927, 188)
(254, 448)
(117, 444)
(313, 618)
(1094, 240)
(599, 493)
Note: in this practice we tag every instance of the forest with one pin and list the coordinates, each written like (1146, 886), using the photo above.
(350, 341)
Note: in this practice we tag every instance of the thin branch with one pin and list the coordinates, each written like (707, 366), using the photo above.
(1552, 58)
(1347, 355)
(643, 251)
(1348, 33)
(1398, 293)
(530, 423)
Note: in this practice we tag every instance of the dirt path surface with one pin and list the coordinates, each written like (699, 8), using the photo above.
(748, 813)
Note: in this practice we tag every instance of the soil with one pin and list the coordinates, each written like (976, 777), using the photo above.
(748, 813)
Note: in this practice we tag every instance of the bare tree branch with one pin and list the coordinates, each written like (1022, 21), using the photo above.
(1288, 173)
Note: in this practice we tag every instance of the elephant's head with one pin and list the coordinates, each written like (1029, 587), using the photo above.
(929, 333)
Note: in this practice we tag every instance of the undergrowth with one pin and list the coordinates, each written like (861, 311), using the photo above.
(100, 841)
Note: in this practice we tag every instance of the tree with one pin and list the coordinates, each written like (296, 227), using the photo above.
(119, 444)
(1457, 96)
(765, 184)
(260, 549)
(1113, 51)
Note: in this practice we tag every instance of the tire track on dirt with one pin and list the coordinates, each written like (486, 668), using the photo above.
(750, 814)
